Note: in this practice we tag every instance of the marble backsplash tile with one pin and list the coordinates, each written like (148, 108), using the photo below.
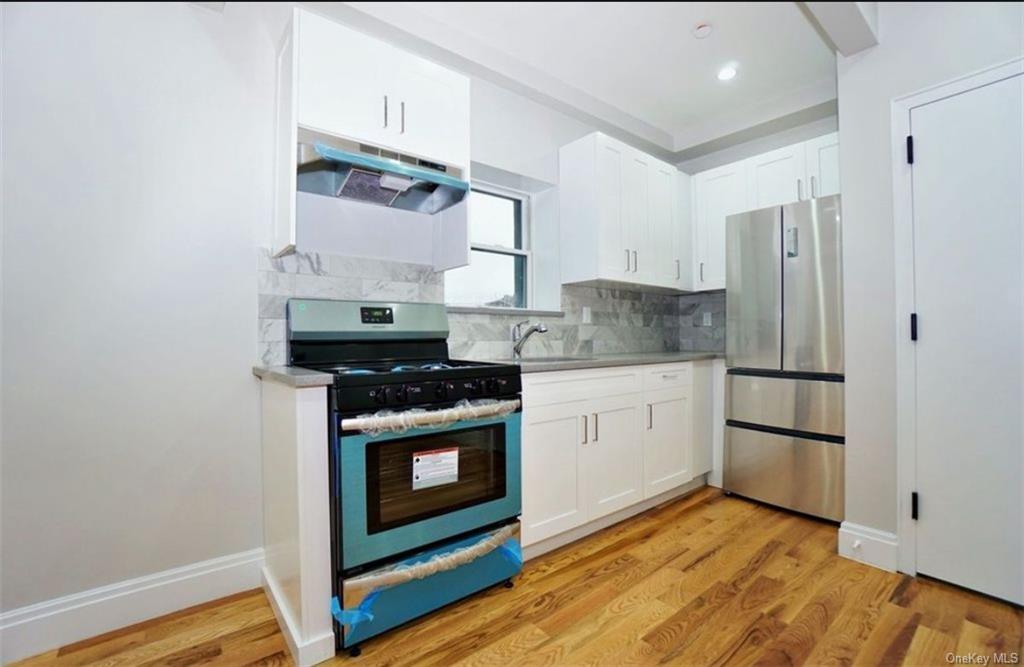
(619, 321)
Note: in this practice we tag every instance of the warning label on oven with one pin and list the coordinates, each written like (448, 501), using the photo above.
(435, 467)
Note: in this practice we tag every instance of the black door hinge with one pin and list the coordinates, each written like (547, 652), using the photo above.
(910, 149)
(913, 326)
(913, 505)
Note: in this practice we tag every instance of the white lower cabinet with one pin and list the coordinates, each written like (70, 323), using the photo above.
(596, 442)
(612, 457)
(667, 442)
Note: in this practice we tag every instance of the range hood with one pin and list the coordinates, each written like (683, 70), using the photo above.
(364, 173)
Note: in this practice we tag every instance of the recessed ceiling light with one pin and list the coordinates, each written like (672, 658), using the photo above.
(702, 30)
(726, 73)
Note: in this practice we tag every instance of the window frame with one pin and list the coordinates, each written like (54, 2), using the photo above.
(525, 239)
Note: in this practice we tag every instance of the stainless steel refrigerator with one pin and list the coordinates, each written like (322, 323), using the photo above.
(784, 429)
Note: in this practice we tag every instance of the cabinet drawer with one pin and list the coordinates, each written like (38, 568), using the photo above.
(665, 376)
(563, 386)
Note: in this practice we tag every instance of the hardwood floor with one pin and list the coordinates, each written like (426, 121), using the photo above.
(706, 580)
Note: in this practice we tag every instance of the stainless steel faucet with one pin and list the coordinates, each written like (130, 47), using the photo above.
(519, 337)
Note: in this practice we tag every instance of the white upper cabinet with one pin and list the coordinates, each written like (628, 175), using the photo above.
(793, 173)
(777, 177)
(621, 220)
(354, 86)
(717, 194)
(822, 156)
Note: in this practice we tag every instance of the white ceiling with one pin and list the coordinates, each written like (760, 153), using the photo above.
(636, 65)
(641, 57)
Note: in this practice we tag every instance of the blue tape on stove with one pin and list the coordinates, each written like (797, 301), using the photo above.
(389, 607)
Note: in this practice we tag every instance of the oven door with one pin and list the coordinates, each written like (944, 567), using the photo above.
(404, 491)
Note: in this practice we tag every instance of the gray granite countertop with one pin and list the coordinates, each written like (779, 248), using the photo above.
(293, 376)
(541, 365)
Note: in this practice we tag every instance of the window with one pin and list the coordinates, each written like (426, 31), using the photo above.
(499, 257)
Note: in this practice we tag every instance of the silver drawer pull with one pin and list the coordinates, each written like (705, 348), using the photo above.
(650, 416)
(586, 429)
(666, 376)
(595, 427)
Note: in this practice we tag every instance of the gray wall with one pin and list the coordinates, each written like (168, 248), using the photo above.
(921, 45)
(619, 320)
(132, 184)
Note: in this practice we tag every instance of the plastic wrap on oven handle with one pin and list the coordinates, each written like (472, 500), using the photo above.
(403, 573)
(389, 421)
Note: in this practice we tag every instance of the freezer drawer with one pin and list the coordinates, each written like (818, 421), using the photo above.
(795, 473)
(794, 404)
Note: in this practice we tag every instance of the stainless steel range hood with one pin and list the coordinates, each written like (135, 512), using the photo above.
(360, 172)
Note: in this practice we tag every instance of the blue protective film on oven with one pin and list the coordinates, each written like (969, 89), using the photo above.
(353, 617)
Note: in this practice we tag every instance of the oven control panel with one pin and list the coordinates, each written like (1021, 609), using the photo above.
(380, 315)
(394, 395)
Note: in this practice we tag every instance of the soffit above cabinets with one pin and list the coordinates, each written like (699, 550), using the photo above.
(631, 69)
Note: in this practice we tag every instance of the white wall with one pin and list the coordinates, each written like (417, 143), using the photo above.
(137, 172)
(921, 44)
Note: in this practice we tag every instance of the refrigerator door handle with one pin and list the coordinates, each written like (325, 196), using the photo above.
(792, 242)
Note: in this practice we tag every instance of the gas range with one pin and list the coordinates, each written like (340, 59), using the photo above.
(359, 386)
(389, 355)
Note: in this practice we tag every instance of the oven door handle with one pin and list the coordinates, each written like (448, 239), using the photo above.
(444, 562)
(399, 422)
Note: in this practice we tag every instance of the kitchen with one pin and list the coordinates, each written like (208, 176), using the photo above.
(520, 307)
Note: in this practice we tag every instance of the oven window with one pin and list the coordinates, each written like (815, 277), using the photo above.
(411, 479)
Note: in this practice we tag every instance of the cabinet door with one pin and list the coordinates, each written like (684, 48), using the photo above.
(342, 86)
(823, 165)
(717, 194)
(777, 177)
(636, 207)
(613, 455)
(429, 108)
(615, 260)
(663, 240)
(668, 440)
(553, 499)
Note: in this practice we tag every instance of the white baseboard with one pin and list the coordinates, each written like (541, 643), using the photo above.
(48, 625)
(579, 532)
(304, 651)
(868, 545)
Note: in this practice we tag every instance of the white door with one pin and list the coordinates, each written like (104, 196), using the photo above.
(717, 194)
(668, 441)
(553, 500)
(615, 260)
(663, 242)
(613, 455)
(969, 298)
(635, 207)
(777, 177)
(342, 88)
(823, 165)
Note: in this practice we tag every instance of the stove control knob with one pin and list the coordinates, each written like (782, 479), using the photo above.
(476, 387)
(441, 390)
(492, 385)
(402, 393)
(379, 395)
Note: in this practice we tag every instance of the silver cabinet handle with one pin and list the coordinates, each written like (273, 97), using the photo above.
(650, 416)
(585, 429)
(792, 242)
(385, 111)
(595, 427)
(627, 261)
(636, 265)
(669, 376)
(799, 190)
(702, 271)
(813, 188)
(403, 118)
(677, 270)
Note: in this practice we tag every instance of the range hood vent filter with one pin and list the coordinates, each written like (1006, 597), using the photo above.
(361, 175)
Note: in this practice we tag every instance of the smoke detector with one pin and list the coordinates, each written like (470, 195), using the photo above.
(702, 30)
